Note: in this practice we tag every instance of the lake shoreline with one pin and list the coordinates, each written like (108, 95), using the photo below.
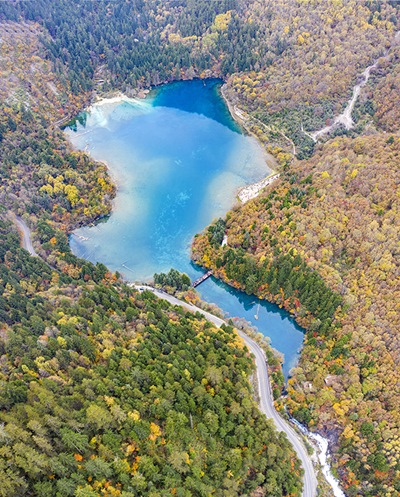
(117, 98)
(245, 193)
(117, 179)
(237, 116)
(252, 170)
(249, 192)
(252, 191)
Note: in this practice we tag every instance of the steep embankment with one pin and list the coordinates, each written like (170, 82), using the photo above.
(323, 242)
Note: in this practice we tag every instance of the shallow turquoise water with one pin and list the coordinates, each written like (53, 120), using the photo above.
(178, 159)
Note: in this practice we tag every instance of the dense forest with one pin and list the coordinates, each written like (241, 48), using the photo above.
(109, 392)
(105, 391)
(101, 387)
(380, 100)
(323, 243)
(290, 63)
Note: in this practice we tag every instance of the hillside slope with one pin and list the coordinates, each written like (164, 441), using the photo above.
(323, 242)
(109, 392)
(290, 63)
(105, 391)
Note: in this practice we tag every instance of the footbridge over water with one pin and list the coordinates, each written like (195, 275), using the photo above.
(202, 278)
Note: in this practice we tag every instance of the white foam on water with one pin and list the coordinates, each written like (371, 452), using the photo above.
(323, 457)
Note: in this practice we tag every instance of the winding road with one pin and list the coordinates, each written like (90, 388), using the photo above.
(267, 407)
(345, 118)
(264, 387)
(25, 232)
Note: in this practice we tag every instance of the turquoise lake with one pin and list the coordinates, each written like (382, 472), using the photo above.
(178, 159)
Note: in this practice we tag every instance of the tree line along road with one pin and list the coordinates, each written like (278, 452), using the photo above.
(25, 232)
(264, 387)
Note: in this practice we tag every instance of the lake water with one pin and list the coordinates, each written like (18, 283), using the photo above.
(178, 160)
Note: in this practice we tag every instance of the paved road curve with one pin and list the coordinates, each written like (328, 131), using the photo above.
(26, 233)
(267, 407)
(266, 402)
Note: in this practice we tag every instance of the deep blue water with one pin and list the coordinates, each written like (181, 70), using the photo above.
(185, 96)
(178, 159)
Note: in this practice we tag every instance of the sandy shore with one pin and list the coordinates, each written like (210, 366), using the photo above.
(117, 98)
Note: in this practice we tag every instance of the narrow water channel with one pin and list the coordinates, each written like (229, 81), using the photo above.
(178, 159)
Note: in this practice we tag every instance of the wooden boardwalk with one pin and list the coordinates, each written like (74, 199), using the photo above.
(202, 278)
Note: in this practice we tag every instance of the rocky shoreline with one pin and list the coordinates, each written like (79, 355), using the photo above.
(249, 192)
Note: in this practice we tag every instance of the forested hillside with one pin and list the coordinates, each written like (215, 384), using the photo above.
(42, 177)
(109, 392)
(27, 77)
(105, 391)
(292, 64)
(320, 50)
(129, 44)
(108, 386)
(323, 243)
(380, 100)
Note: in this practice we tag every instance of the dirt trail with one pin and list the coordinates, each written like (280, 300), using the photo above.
(345, 118)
